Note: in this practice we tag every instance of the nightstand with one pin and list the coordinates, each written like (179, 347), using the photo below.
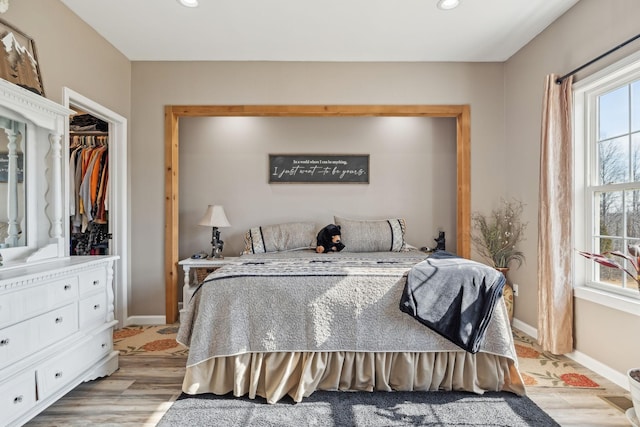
(201, 267)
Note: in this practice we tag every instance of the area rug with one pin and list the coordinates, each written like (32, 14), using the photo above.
(148, 340)
(538, 368)
(327, 408)
(543, 369)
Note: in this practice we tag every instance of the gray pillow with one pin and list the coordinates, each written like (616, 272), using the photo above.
(384, 235)
(280, 237)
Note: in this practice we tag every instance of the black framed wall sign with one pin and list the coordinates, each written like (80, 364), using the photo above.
(319, 168)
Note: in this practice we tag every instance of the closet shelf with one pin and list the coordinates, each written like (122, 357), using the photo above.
(88, 132)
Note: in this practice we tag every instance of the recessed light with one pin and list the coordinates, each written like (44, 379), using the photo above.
(189, 3)
(448, 4)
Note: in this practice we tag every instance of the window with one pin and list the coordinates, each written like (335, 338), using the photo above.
(607, 172)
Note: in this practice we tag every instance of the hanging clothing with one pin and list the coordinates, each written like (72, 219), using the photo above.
(89, 187)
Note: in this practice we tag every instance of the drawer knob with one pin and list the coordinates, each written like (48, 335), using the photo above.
(104, 345)
(96, 306)
(58, 374)
(96, 282)
(67, 287)
(4, 341)
(59, 319)
(17, 399)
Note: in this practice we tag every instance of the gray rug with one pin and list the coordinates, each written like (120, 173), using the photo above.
(325, 408)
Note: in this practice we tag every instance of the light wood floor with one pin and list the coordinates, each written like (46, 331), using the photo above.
(137, 394)
(143, 388)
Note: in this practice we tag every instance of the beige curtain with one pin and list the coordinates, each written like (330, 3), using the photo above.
(555, 273)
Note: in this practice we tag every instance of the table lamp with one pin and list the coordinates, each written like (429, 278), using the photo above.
(216, 218)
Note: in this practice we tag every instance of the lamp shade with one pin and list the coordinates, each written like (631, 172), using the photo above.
(215, 217)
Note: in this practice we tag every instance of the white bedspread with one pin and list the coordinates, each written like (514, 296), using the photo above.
(305, 302)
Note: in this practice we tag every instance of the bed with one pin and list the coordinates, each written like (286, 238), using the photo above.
(286, 321)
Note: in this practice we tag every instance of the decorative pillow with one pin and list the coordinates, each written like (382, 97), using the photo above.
(280, 237)
(385, 235)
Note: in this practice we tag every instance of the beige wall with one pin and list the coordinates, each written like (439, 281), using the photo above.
(72, 54)
(224, 160)
(156, 84)
(587, 30)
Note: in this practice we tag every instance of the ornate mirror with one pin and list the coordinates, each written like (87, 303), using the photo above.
(13, 230)
(31, 170)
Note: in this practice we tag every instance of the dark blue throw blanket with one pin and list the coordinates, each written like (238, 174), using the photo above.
(453, 296)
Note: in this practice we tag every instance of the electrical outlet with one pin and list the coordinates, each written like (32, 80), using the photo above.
(515, 289)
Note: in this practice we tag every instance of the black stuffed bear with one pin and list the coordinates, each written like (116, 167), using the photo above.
(328, 239)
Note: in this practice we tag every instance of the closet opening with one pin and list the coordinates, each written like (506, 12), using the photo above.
(90, 233)
(106, 232)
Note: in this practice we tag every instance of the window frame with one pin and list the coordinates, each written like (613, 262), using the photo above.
(585, 95)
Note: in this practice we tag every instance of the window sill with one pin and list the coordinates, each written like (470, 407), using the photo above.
(607, 299)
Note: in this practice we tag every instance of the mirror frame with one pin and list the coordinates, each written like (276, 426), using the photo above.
(42, 143)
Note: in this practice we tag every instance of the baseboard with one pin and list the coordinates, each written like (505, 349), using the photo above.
(527, 329)
(145, 320)
(600, 368)
(581, 358)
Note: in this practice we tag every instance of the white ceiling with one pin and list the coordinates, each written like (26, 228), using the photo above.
(331, 30)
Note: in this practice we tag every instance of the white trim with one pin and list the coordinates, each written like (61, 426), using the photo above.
(527, 329)
(608, 299)
(118, 197)
(600, 368)
(616, 71)
(588, 362)
(146, 320)
(585, 93)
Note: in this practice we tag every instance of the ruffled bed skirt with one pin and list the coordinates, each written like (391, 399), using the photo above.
(299, 374)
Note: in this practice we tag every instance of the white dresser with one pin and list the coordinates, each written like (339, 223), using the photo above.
(56, 331)
(56, 311)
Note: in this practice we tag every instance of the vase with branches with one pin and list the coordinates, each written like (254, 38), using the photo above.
(496, 236)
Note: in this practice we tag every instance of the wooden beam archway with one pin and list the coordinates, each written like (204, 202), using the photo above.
(462, 114)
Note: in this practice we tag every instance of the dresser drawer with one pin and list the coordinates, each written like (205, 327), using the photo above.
(16, 342)
(57, 324)
(21, 305)
(99, 346)
(93, 310)
(67, 366)
(59, 371)
(63, 291)
(24, 338)
(45, 297)
(17, 396)
(92, 280)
